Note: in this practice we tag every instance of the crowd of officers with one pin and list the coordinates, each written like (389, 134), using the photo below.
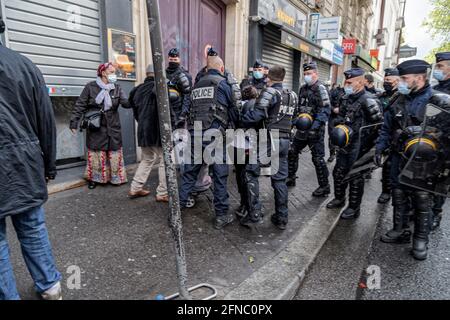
(361, 121)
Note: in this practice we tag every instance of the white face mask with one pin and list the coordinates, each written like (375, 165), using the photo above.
(309, 79)
(112, 78)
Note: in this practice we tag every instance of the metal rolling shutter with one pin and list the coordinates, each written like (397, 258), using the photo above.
(67, 58)
(324, 70)
(274, 53)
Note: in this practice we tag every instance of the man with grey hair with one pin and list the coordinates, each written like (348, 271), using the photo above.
(144, 104)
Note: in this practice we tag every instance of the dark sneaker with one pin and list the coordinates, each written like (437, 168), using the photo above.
(331, 158)
(278, 222)
(322, 192)
(222, 221)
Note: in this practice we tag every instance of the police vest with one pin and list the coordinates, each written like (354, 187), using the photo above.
(280, 115)
(312, 98)
(205, 107)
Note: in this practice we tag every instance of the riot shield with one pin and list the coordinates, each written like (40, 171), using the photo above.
(427, 154)
(364, 164)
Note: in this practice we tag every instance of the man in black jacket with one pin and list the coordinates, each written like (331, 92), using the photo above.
(143, 101)
(27, 162)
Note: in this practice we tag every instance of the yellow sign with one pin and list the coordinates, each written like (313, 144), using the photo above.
(284, 17)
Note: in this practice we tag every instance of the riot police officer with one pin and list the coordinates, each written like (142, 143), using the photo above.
(180, 86)
(312, 115)
(274, 111)
(212, 106)
(359, 109)
(442, 74)
(404, 117)
(257, 79)
(391, 79)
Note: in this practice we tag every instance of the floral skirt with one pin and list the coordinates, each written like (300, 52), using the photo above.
(106, 166)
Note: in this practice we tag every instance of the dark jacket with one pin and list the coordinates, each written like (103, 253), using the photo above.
(27, 135)
(145, 109)
(443, 86)
(109, 137)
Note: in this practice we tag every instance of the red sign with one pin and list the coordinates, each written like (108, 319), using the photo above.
(375, 53)
(349, 46)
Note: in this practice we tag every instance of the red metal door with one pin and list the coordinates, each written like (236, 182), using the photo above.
(190, 25)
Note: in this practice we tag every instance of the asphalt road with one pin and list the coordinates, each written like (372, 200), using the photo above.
(340, 270)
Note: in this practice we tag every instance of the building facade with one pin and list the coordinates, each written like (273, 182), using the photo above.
(67, 40)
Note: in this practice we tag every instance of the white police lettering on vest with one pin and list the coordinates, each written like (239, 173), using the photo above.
(203, 93)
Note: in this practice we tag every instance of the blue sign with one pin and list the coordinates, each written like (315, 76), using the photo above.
(338, 55)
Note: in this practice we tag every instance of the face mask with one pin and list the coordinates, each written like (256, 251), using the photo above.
(112, 78)
(403, 88)
(173, 65)
(348, 90)
(439, 75)
(388, 87)
(258, 75)
(309, 80)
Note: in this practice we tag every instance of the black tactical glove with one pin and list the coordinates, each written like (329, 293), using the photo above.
(378, 159)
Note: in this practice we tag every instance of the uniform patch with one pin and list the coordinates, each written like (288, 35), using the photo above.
(203, 93)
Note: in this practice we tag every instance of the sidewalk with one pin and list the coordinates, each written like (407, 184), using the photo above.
(125, 250)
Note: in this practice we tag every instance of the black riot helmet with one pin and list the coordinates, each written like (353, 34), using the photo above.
(341, 135)
(423, 149)
(304, 122)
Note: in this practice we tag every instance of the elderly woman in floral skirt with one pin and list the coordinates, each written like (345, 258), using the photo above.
(105, 162)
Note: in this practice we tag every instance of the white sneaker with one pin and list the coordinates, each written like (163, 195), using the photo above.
(54, 293)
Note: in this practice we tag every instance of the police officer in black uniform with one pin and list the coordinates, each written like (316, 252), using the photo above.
(391, 79)
(312, 116)
(180, 86)
(442, 74)
(212, 106)
(359, 109)
(404, 116)
(257, 79)
(274, 111)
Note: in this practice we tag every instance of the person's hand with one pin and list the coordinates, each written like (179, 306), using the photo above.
(378, 159)
(336, 110)
(74, 131)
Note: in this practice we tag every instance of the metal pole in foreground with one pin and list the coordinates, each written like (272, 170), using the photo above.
(167, 144)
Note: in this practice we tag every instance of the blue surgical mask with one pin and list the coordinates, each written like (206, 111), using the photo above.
(112, 78)
(258, 75)
(403, 88)
(309, 80)
(348, 90)
(439, 75)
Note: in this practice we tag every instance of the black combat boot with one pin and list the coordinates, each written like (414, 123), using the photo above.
(385, 196)
(438, 205)
(322, 176)
(400, 234)
(422, 224)
(339, 190)
(353, 210)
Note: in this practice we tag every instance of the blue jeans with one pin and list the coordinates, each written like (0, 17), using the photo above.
(37, 253)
